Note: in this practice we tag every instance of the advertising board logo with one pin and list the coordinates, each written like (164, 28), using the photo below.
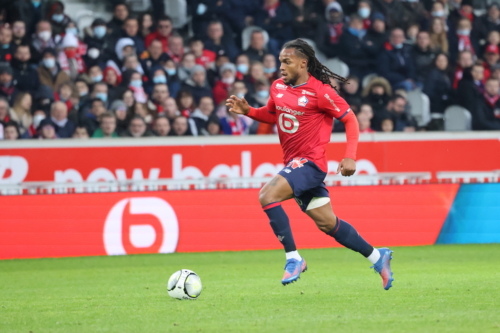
(156, 230)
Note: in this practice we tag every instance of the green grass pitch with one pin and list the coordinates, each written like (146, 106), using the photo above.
(436, 289)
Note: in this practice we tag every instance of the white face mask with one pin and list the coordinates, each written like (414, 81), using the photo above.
(228, 80)
(45, 35)
(37, 119)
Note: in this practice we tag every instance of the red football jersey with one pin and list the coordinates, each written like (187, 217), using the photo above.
(304, 117)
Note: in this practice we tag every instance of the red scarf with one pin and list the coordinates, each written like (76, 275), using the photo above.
(335, 32)
(491, 100)
(459, 72)
(271, 10)
(68, 103)
(464, 44)
(468, 16)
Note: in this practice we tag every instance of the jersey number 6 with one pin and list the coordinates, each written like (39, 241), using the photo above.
(288, 123)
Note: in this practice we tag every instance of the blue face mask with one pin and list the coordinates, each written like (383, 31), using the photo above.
(97, 78)
(160, 79)
(102, 96)
(398, 46)
(357, 33)
(136, 83)
(58, 18)
(240, 95)
(269, 70)
(171, 71)
(242, 68)
(263, 93)
(49, 62)
(100, 31)
(5, 46)
(73, 31)
(364, 12)
(36, 4)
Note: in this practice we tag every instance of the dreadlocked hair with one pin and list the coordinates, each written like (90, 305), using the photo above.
(316, 68)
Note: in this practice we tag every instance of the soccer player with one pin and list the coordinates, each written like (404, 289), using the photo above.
(303, 103)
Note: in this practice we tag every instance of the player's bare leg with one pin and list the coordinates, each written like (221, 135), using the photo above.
(322, 214)
(270, 197)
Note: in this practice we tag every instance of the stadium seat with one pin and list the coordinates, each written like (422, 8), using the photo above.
(457, 118)
(177, 10)
(247, 33)
(337, 66)
(420, 106)
(367, 79)
(139, 5)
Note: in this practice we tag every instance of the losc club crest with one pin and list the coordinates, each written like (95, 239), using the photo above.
(303, 101)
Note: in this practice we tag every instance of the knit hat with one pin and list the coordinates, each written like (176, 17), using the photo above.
(196, 69)
(121, 44)
(69, 40)
(227, 66)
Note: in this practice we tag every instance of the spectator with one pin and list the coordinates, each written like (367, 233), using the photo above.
(122, 116)
(142, 110)
(162, 33)
(395, 62)
(159, 96)
(220, 43)
(187, 63)
(364, 11)
(19, 35)
(439, 12)
(29, 12)
(131, 61)
(80, 133)
(257, 48)
(180, 127)
(173, 81)
(153, 56)
(204, 57)
(461, 40)
(57, 18)
(387, 125)
(25, 74)
(488, 22)
(465, 60)
(355, 49)
(261, 95)
(7, 47)
(42, 40)
(6, 113)
(123, 48)
(198, 84)
(401, 119)
(46, 130)
(276, 18)
(222, 86)
(199, 118)
(423, 54)
(437, 34)
(329, 32)
(487, 115)
(69, 59)
(120, 14)
(364, 123)
(22, 112)
(305, 18)
(11, 131)
(175, 47)
(438, 85)
(393, 10)
(367, 110)
(242, 66)
(8, 87)
(97, 44)
(471, 88)
(59, 116)
(376, 36)
(161, 126)
(107, 128)
(491, 56)
(131, 30)
(414, 14)
(128, 99)
(82, 88)
(95, 74)
(270, 69)
(137, 128)
(256, 73)
(112, 75)
(377, 93)
(493, 39)
(411, 34)
(213, 126)
(49, 71)
(65, 93)
(170, 109)
(90, 118)
(350, 92)
(133, 80)
(145, 24)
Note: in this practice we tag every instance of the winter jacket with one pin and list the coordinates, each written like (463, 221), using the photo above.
(26, 76)
(396, 65)
(46, 78)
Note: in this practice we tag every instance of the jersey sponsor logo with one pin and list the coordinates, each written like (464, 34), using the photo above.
(287, 170)
(332, 102)
(281, 86)
(297, 162)
(303, 101)
(305, 92)
(288, 110)
(279, 95)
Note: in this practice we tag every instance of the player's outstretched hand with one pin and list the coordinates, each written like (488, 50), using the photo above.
(238, 105)
(347, 167)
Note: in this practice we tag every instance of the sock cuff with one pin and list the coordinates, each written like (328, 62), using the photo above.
(271, 205)
(336, 228)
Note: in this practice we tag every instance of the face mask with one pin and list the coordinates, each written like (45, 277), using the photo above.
(37, 119)
(201, 9)
(70, 53)
(97, 78)
(364, 12)
(269, 70)
(45, 35)
(356, 32)
(228, 80)
(438, 13)
(263, 93)
(84, 93)
(36, 4)
(58, 18)
(171, 71)
(93, 53)
(49, 62)
(136, 83)
(160, 79)
(73, 31)
(5, 46)
(240, 95)
(242, 68)
(102, 96)
(398, 46)
(100, 31)
(463, 32)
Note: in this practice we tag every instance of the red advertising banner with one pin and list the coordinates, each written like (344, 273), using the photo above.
(226, 157)
(39, 226)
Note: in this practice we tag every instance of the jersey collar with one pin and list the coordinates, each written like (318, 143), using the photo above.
(302, 84)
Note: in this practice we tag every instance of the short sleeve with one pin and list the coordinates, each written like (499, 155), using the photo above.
(332, 104)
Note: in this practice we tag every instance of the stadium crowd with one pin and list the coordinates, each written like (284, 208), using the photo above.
(136, 76)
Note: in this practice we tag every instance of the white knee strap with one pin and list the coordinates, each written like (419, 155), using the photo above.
(317, 202)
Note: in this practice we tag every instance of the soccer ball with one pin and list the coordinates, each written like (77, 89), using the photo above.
(184, 284)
